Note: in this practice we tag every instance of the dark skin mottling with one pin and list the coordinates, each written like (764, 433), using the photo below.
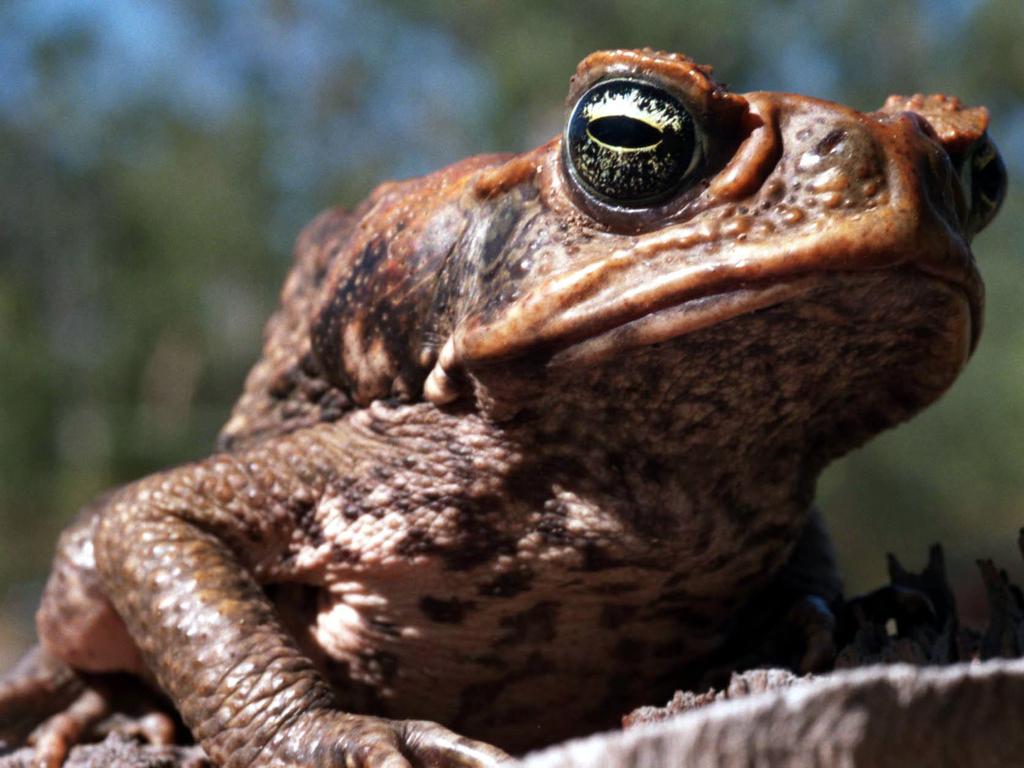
(513, 451)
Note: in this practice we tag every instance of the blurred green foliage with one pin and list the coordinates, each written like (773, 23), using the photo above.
(157, 159)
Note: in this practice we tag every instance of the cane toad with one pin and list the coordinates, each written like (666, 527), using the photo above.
(529, 434)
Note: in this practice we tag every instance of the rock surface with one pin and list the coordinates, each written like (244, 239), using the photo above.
(967, 715)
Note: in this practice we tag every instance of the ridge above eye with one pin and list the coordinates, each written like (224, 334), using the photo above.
(630, 143)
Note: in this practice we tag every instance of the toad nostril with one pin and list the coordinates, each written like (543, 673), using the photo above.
(922, 124)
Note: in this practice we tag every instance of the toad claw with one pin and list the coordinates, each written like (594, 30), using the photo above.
(50, 707)
(816, 624)
(436, 745)
(357, 741)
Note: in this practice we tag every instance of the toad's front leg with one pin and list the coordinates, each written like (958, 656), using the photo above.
(182, 557)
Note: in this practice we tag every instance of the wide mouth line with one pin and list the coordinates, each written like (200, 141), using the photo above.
(697, 312)
(708, 304)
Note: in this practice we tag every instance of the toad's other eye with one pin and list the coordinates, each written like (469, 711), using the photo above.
(630, 143)
(986, 177)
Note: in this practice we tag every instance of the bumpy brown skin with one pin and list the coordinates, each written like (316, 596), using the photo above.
(514, 460)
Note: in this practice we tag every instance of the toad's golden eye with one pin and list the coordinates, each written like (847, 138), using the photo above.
(630, 143)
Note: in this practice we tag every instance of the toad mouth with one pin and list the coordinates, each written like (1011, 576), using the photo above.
(580, 314)
(726, 303)
(710, 297)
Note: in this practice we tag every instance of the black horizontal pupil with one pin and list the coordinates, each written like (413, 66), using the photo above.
(625, 132)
